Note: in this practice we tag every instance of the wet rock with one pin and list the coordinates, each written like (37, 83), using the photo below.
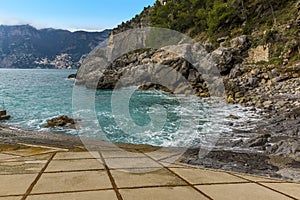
(72, 76)
(230, 124)
(62, 121)
(285, 147)
(233, 117)
(258, 140)
(154, 87)
(3, 115)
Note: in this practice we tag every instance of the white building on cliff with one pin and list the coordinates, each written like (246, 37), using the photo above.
(163, 2)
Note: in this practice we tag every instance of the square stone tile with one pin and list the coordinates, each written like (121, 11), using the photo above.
(125, 163)
(157, 177)
(168, 193)
(202, 176)
(94, 195)
(15, 184)
(74, 165)
(72, 181)
(4, 157)
(292, 189)
(246, 191)
(11, 198)
(22, 167)
(121, 154)
(31, 151)
(173, 165)
(171, 154)
(40, 157)
(76, 155)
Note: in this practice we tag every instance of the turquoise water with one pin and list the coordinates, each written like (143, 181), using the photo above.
(33, 96)
(157, 118)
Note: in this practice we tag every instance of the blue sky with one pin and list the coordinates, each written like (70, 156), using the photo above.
(70, 14)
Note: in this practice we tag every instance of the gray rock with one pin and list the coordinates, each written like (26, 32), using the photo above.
(258, 140)
(267, 104)
(235, 72)
(222, 57)
(240, 42)
(286, 147)
(62, 121)
(222, 39)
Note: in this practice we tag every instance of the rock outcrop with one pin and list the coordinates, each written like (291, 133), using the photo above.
(4, 115)
(62, 121)
(260, 70)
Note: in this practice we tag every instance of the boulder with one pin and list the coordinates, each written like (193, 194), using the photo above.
(72, 76)
(62, 121)
(223, 58)
(3, 115)
(233, 117)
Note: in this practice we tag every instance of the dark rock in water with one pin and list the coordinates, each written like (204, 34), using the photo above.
(233, 117)
(154, 87)
(230, 124)
(72, 76)
(3, 115)
(62, 121)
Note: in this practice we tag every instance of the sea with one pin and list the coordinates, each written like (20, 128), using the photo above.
(127, 115)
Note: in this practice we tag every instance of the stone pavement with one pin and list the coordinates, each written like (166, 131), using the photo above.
(44, 173)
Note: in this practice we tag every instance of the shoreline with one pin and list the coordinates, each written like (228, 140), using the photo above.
(249, 162)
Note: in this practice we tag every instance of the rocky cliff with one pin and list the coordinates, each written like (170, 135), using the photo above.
(254, 45)
(27, 47)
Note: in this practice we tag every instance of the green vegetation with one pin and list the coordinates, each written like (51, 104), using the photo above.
(221, 17)
(263, 21)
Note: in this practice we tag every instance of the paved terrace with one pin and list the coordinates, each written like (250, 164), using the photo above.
(45, 173)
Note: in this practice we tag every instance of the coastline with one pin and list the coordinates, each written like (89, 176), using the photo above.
(249, 162)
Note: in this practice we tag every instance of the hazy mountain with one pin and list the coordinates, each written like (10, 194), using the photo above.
(24, 46)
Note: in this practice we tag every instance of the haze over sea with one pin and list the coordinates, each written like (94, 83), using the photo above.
(33, 96)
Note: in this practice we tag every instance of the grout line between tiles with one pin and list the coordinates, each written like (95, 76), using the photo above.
(72, 171)
(112, 180)
(191, 185)
(69, 192)
(37, 178)
(257, 183)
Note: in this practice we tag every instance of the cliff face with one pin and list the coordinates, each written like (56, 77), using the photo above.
(140, 20)
(254, 44)
(26, 47)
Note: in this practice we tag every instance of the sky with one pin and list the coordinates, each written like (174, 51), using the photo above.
(89, 15)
